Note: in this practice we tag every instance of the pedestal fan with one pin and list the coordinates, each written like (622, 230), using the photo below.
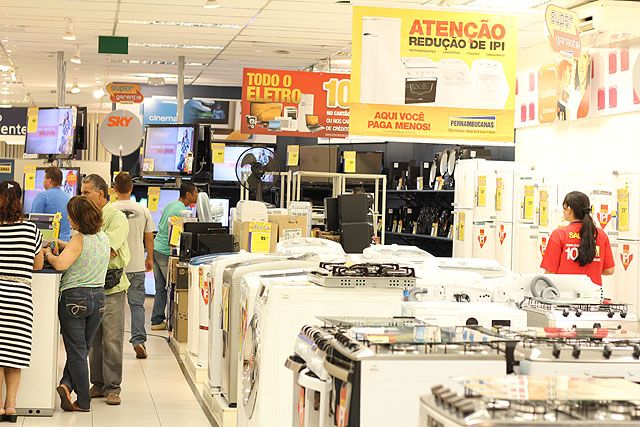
(256, 170)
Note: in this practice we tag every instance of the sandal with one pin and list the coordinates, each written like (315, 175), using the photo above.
(65, 398)
(10, 418)
(79, 409)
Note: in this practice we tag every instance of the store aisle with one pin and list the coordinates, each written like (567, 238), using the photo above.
(155, 393)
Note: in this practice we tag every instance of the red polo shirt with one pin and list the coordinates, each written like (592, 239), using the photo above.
(562, 251)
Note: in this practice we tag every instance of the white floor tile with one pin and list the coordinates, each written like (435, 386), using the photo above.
(183, 418)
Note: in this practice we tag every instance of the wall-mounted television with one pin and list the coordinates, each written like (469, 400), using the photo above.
(54, 134)
(209, 111)
(70, 184)
(171, 149)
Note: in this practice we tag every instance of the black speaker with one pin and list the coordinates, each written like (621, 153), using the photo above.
(355, 237)
(214, 244)
(331, 218)
(186, 245)
(353, 207)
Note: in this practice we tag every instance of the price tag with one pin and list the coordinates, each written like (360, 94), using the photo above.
(293, 155)
(544, 208)
(349, 161)
(623, 209)
(460, 236)
(32, 120)
(260, 237)
(56, 227)
(154, 198)
(217, 153)
(499, 193)
(528, 202)
(148, 164)
(176, 230)
(482, 191)
(29, 181)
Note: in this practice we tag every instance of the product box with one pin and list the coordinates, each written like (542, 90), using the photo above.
(180, 315)
(290, 226)
(257, 237)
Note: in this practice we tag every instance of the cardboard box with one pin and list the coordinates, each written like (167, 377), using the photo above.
(259, 237)
(290, 226)
(181, 315)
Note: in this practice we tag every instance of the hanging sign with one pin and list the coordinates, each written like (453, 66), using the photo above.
(295, 103)
(564, 34)
(154, 198)
(32, 120)
(433, 74)
(293, 155)
(125, 93)
(461, 219)
(29, 177)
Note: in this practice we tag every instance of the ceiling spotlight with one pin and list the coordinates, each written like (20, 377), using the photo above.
(14, 77)
(75, 88)
(69, 34)
(212, 4)
(98, 93)
(76, 56)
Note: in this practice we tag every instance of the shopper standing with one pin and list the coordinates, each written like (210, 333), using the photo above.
(53, 200)
(188, 196)
(141, 229)
(580, 247)
(82, 300)
(20, 255)
(105, 356)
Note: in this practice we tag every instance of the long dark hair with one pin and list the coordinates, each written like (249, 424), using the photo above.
(10, 202)
(581, 206)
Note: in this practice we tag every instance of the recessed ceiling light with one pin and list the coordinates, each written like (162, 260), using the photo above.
(76, 56)
(69, 34)
(281, 52)
(5, 68)
(176, 46)
(212, 4)
(180, 24)
(98, 93)
(75, 88)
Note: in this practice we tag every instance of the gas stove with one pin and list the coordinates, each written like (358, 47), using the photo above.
(577, 315)
(364, 275)
(531, 401)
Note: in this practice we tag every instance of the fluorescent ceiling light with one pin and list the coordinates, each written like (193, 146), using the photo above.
(5, 68)
(6, 105)
(176, 46)
(75, 89)
(180, 24)
(154, 62)
(212, 4)
(76, 56)
(165, 76)
(69, 34)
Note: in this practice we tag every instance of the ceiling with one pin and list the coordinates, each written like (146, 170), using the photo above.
(217, 43)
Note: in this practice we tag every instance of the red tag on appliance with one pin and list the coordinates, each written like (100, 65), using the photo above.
(502, 234)
(301, 399)
(543, 246)
(626, 257)
(482, 239)
(604, 216)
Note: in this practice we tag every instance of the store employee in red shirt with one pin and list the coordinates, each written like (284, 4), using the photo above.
(580, 247)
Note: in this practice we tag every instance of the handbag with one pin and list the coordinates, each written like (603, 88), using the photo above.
(112, 278)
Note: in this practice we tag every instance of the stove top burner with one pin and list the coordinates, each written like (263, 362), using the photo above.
(367, 270)
(577, 308)
(366, 275)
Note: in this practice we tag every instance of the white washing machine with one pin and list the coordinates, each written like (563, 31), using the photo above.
(526, 248)
(504, 202)
(281, 309)
(485, 314)
(423, 262)
(503, 242)
(327, 250)
(231, 291)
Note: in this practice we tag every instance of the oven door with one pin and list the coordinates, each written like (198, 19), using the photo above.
(250, 367)
(420, 90)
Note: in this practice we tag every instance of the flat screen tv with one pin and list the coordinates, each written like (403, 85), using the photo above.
(70, 184)
(54, 133)
(167, 195)
(170, 149)
(207, 111)
(226, 172)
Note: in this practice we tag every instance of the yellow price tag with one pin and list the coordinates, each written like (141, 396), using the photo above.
(113, 196)
(293, 155)
(32, 120)
(499, 193)
(154, 198)
(176, 230)
(482, 191)
(29, 181)
(217, 153)
(148, 164)
(528, 202)
(349, 161)
(56, 226)
(544, 208)
(260, 237)
(461, 226)
(623, 209)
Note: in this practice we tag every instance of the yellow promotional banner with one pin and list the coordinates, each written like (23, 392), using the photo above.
(154, 198)
(32, 120)
(623, 209)
(433, 74)
(349, 161)
(29, 181)
(293, 155)
(217, 153)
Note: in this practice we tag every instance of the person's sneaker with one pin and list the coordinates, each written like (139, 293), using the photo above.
(95, 392)
(141, 351)
(159, 327)
(113, 399)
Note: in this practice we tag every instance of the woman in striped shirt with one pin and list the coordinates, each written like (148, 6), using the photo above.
(20, 255)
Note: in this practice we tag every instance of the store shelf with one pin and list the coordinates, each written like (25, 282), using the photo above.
(420, 191)
(418, 236)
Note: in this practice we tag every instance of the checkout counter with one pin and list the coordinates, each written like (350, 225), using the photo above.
(37, 395)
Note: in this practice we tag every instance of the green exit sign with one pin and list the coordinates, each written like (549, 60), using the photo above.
(113, 45)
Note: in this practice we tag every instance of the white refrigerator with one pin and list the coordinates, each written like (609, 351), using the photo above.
(526, 234)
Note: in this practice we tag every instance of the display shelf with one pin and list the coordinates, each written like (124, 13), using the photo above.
(421, 191)
(418, 236)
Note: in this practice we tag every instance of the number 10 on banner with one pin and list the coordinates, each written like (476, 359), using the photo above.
(337, 92)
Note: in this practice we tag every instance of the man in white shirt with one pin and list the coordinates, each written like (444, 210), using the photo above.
(141, 229)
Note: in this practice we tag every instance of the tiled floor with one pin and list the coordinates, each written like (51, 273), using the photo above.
(155, 393)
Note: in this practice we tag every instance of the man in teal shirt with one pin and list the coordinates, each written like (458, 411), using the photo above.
(161, 252)
(105, 356)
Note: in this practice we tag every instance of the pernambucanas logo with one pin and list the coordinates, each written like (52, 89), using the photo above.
(480, 124)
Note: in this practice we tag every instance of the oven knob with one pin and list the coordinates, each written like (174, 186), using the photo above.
(636, 351)
(610, 314)
(556, 350)
(607, 352)
(578, 312)
(565, 312)
(576, 352)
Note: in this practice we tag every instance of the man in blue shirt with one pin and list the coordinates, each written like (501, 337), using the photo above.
(53, 200)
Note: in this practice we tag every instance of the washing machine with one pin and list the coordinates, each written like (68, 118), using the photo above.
(231, 291)
(463, 233)
(282, 307)
(327, 250)
(196, 283)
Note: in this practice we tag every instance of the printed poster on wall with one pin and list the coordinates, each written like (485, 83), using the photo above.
(433, 74)
(295, 103)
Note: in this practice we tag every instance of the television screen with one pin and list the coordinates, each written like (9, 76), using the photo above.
(54, 133)
(171, 148)
(167, 196)
(70, 184)
(227, 171)
(369, 162)
(206, 111)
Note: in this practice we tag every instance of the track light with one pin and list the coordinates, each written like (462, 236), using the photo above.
(75, 88)
(69, 34)
(76, 56)
(212, 4)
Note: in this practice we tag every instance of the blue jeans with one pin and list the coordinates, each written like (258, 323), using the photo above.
(160, 267)
(80, 312)
(135, 297)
